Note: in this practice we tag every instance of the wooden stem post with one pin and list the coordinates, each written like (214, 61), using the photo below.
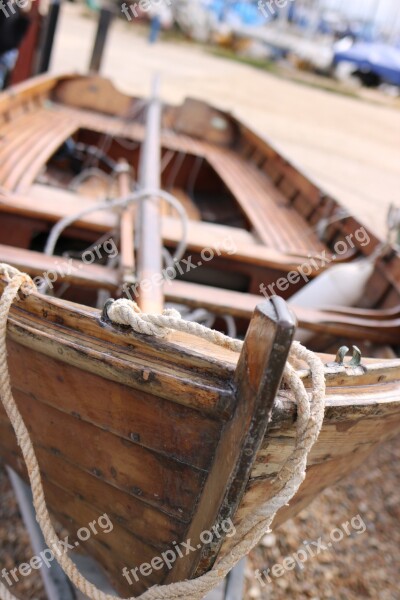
(256, 381)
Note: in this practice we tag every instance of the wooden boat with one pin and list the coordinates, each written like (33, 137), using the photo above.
(171, 436)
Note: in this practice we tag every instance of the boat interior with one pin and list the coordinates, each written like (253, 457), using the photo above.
(62, 141)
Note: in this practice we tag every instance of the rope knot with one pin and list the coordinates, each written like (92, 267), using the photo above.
(127, 312)
(22, 280)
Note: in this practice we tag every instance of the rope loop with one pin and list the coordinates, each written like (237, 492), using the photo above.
(127, 312)
(250, 531)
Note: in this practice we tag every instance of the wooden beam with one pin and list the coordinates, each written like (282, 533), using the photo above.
(71, 271)
(127, 227)
(256, 382)
(241, 305)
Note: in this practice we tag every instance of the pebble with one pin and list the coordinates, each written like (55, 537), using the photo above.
(269, 540)
(356, 568)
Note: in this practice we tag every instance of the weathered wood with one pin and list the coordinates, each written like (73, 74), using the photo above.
(356, 419)
(150, 476)
(170, 436)
(133, 415)
(162, 367)
(122, 507)
(257, 378)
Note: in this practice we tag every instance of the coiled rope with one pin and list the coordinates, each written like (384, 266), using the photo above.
(250, 531)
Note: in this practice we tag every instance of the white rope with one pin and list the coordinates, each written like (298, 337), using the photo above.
(251, 530)
(123, 203)
(127, 312)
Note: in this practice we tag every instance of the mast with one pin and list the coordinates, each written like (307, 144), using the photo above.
(149, 240)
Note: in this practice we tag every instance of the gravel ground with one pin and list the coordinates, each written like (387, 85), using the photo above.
(361, 565)
(364, 564)
(15, 546)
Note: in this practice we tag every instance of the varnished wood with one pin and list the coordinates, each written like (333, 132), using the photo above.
(127, 228)
(170, 436)
(93, 93)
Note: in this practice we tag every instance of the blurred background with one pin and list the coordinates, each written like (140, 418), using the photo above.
(321, 78)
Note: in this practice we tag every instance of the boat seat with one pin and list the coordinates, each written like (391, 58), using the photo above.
(27, 143)
(318, 321)
(136, 132)
(52, 204)
(71, 271)
(276, 223)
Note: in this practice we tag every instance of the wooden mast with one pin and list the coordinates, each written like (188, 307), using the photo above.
(149, 249)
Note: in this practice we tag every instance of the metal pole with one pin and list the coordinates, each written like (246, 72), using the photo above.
(149, 251)
(56, 583)
(105, 20)
(49, 35)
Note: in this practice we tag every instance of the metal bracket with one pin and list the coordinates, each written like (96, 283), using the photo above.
(104, 313)
(355, 361)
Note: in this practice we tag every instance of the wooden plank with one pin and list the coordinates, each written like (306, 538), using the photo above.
(276, 223)
(94, 93)
(113, 550)
(232, 243)
(70, 270)
(23, 93)
(241, 305)
(350, 433)
(16, 138)
(149, 524)
(133, 415)
(171, 368)
(119, 547)
(150, 477)
(39, 154)
(53, 204)
(281, 165)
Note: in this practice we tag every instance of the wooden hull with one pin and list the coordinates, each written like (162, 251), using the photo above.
(142, 431)
(171, 438)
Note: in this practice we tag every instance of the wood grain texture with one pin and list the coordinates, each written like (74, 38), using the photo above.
(172, 436)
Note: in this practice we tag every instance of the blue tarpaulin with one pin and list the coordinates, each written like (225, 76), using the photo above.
(378, 58)
(244, 13)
